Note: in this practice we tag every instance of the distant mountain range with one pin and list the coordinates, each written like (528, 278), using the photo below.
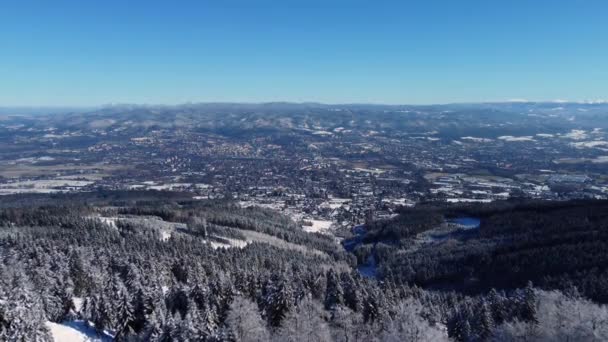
(502, 105)
(233, 119)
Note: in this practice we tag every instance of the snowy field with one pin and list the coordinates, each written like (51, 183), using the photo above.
(42, 186)
(512, 138)
(597, 160)
(476, 139)
(160, 186)
(335, 202)
(590, 144)
(318, 226)
(468, 200)
(576, 134)
(166, 229)
(75, 331)
(231, 243)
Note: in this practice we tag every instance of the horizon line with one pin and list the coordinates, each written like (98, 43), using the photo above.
(118, 104)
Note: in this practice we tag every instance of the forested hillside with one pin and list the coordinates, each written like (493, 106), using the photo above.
(156, 266)
(557, 245)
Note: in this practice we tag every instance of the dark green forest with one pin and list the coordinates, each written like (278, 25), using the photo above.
(556, 245)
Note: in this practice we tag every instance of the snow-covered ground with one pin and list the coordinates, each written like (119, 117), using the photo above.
(374, 171)
(399, 201)
(576, 134)
(590, 144)
(601, 159)
(165, 235)
(109, 221)
(468, 200)
(335, 202)
(512, 138)
(34, 160)
(166, 229)
(236, 243)
(75, 331)
(293, 213)
(42, 186)
(597, 160)
(169, 186)
(476, 139)
(253, 236)
(78, 302)
(160, 186)
(318, 226)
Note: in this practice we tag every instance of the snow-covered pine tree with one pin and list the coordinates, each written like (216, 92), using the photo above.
(124, 314)
(352, 296)
(305, 323)
(334, 294)
(244, 321)
(486, 321)
(278, 299)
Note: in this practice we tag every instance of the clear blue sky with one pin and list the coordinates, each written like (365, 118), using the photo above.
(95, 52)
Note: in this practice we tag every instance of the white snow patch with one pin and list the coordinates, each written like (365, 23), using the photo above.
(34, 160)
(590, 144)
(512, 138)
(576, 134)
(165, 235)
(55, 136)
(597, 160)
(232, 243)
(322, 133)
(170, 186)
(600, 160)
(78, 301)
(468, 200)
(372, 171)
(75, 331)
(42, 186)
(335, 203)
(109, 221)
(476, 139)
(318, 226)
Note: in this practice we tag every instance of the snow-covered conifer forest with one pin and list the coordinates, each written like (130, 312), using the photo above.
(160, 266)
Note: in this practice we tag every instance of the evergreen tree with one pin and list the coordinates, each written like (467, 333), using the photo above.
(352, 296)
(278, 300)
(142, 308)
(209, 323)
(177, 300)
(78, 274)
(486, 322)
(305, 323)
(244, 321)
(334, 294)
(497, 305)
(529, 304)
(124, 315)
